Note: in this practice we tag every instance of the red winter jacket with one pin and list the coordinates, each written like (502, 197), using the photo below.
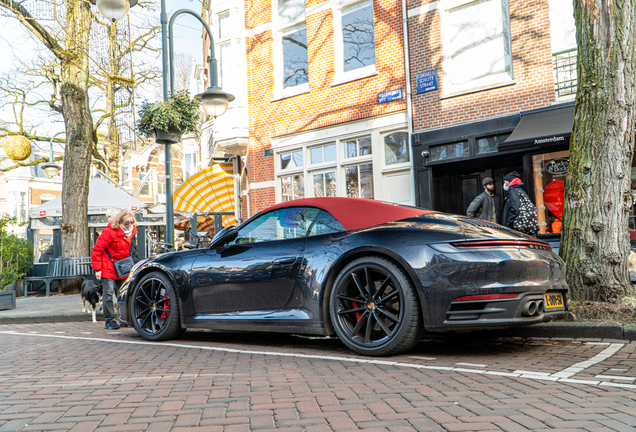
(117, 244)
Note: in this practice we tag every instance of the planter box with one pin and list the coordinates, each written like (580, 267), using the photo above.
(171, 136)
(7, 300)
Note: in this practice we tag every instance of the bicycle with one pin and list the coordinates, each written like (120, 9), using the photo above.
(158, 246)
(196, 241)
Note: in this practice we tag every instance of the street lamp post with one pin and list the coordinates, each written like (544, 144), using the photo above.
(214, 100)
(51, 169)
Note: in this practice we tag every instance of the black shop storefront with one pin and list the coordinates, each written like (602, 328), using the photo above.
(451, 162)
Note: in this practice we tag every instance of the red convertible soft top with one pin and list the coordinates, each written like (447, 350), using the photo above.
(355, 213)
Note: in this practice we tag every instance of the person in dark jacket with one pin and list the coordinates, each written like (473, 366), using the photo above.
(487, 205)
(47, 254)
(117, 239)
(512, 203)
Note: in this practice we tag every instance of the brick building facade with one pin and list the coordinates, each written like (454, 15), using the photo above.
(317, 72)
(506, 77)
(497, 66)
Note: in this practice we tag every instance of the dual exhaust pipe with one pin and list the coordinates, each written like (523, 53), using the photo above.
(533, 307)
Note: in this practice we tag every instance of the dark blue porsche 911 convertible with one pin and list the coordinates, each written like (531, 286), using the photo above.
(375, 274)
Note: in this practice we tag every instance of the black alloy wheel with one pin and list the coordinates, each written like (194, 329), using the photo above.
(374, 308)
(154, 308)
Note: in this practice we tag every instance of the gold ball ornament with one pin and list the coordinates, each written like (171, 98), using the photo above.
(17, 147)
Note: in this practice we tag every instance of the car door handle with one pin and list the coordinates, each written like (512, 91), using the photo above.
(285, 261)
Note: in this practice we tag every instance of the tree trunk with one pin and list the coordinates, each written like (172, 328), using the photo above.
(79, 125)
(595, 243)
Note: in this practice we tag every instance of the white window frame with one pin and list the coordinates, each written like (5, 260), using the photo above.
(312, 172)
(324, 163)
(282, 27)
(126, 171)
(292, 174)
(397, 166)
(293, 169)
(490, 81)
(148, 184)
(219, 37)
(339, 135)
(341, 77)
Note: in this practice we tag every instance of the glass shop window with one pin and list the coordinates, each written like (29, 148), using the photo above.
(291, 160)
(325, 184)
(357, 147)
(396, 148)
(449, 151)
(359, 180)
(489, 144)
(549, 171)
(323, 153)
(293, 187)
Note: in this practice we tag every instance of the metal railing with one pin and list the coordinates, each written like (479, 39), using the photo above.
(564, 65)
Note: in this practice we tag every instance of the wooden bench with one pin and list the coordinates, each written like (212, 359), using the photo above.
(62, 268)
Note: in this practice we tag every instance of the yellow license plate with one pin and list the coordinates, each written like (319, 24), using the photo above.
(553, 300)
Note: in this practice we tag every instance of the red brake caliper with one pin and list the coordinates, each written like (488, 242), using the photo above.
(357, 314)
(165, 314)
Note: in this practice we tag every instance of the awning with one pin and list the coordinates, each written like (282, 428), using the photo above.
(102, 196)
(209, 190)
(543, 127)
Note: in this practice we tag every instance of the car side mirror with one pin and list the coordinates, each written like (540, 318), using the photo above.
(224, 236)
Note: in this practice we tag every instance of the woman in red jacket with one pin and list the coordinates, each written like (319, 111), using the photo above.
(118, 239)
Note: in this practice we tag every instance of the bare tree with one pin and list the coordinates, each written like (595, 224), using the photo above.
(595, 242)
(182, 71)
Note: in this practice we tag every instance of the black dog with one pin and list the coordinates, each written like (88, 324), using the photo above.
(92, 294)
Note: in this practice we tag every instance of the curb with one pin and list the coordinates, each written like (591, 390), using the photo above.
(50, 319)
(550, 330)
(574, 330)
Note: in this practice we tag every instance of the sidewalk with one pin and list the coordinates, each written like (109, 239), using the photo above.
(54, 308)
(68, 308)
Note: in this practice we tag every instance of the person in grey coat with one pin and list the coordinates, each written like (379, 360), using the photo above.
(487, 205)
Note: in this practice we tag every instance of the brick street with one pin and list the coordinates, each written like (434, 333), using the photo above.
(79, 377)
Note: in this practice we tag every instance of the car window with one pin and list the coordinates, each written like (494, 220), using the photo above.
(325, 224)
(280, 224)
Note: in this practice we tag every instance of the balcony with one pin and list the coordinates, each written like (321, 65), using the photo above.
(564, 64)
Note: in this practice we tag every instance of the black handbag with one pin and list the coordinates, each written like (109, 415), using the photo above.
(122, 266)
(527, 221)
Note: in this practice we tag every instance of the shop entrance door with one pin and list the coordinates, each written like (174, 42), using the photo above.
(455, 185)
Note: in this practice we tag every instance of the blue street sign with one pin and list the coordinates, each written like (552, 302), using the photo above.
(390, 96)
(426, 81)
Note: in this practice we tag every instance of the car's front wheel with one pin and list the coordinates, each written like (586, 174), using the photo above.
(374, 308)
(154, 309)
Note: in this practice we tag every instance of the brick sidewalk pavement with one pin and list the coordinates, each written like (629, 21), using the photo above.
(79, 377)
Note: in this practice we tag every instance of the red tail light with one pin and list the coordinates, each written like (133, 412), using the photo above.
(486, 297)
(505, 243)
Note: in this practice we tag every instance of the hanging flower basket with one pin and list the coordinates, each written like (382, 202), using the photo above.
(170, 136)
(168, 120)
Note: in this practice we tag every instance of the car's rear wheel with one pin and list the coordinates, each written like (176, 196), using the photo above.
(154, 308)
(374, 308)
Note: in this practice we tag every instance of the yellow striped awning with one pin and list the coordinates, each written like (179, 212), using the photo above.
(209, 190)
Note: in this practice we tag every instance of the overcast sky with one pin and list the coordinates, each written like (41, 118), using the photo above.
(17, 43)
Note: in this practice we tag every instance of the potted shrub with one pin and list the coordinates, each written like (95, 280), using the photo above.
(168, 120)
(16, 258)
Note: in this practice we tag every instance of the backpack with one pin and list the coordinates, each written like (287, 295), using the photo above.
(527, 221)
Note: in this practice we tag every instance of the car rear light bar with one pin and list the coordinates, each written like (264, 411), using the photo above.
(486, 297)
(505, 243)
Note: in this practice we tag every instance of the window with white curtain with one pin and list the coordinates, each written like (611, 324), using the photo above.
(476, 44)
